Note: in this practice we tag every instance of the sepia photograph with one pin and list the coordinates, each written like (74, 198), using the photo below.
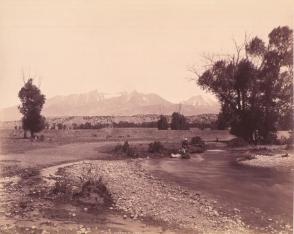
(146, 116)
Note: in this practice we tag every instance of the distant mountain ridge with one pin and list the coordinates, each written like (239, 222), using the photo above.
(95, 103)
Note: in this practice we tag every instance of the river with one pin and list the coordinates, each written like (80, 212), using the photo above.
(261, 196)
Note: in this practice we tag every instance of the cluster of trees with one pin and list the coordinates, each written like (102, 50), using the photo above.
(125, 124)
(88, 125)
(203, 125)
(254, 86)
(178, 122)
(121, 124)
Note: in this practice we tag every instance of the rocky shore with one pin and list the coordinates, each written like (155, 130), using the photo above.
(138, 195)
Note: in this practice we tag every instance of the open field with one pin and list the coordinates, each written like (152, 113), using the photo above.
(209, 193)
(12, 140)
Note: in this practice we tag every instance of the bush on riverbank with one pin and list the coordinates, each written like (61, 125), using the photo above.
(125, 149)
(156, 147)
(197, 145)
(87, 189)
(197, 141)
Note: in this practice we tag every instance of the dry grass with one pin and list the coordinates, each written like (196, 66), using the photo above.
(12, 141)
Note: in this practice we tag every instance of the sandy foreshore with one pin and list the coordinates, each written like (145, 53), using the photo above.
(138, 195)
(278, 160)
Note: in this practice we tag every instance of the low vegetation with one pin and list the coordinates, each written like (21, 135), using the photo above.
(87, 189)
(156, 147)
(197, 145)
(197, 141)
(125, 150)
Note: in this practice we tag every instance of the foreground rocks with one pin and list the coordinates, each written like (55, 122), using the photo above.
(138, 195)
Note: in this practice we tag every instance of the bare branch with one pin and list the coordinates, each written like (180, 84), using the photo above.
(193, 70)
(209, 58)
(238, 49)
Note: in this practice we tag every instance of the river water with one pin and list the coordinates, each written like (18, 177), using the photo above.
(261, 196)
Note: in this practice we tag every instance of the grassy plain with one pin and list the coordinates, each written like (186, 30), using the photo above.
(12, 140)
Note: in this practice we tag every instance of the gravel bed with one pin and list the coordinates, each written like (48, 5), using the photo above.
(139, 195)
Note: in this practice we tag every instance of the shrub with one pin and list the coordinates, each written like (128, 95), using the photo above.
(28, 173)
(96, 188)
(237, 142)
(60, 187)
(155, 147)
(125, 149)
(197, 145)
(197, 141)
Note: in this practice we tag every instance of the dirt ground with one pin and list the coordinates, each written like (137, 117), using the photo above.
(29, 205)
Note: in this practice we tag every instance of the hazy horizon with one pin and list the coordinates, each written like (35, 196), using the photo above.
(118, 94)
(78, 46)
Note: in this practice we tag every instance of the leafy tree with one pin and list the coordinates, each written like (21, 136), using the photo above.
(179, 122)
(254, 86)
(32, 101)
(162, 123)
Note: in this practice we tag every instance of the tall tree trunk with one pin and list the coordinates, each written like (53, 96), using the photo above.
(25, 134)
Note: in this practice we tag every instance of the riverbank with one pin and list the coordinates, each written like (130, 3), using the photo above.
(138, 195)
(209, 182)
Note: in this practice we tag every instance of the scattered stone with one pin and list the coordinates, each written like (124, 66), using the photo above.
(236, 210)
(138, 194)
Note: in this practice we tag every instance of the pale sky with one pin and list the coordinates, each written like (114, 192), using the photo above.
(112, 46)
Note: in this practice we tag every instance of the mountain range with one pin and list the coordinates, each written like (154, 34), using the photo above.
(95, 103)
